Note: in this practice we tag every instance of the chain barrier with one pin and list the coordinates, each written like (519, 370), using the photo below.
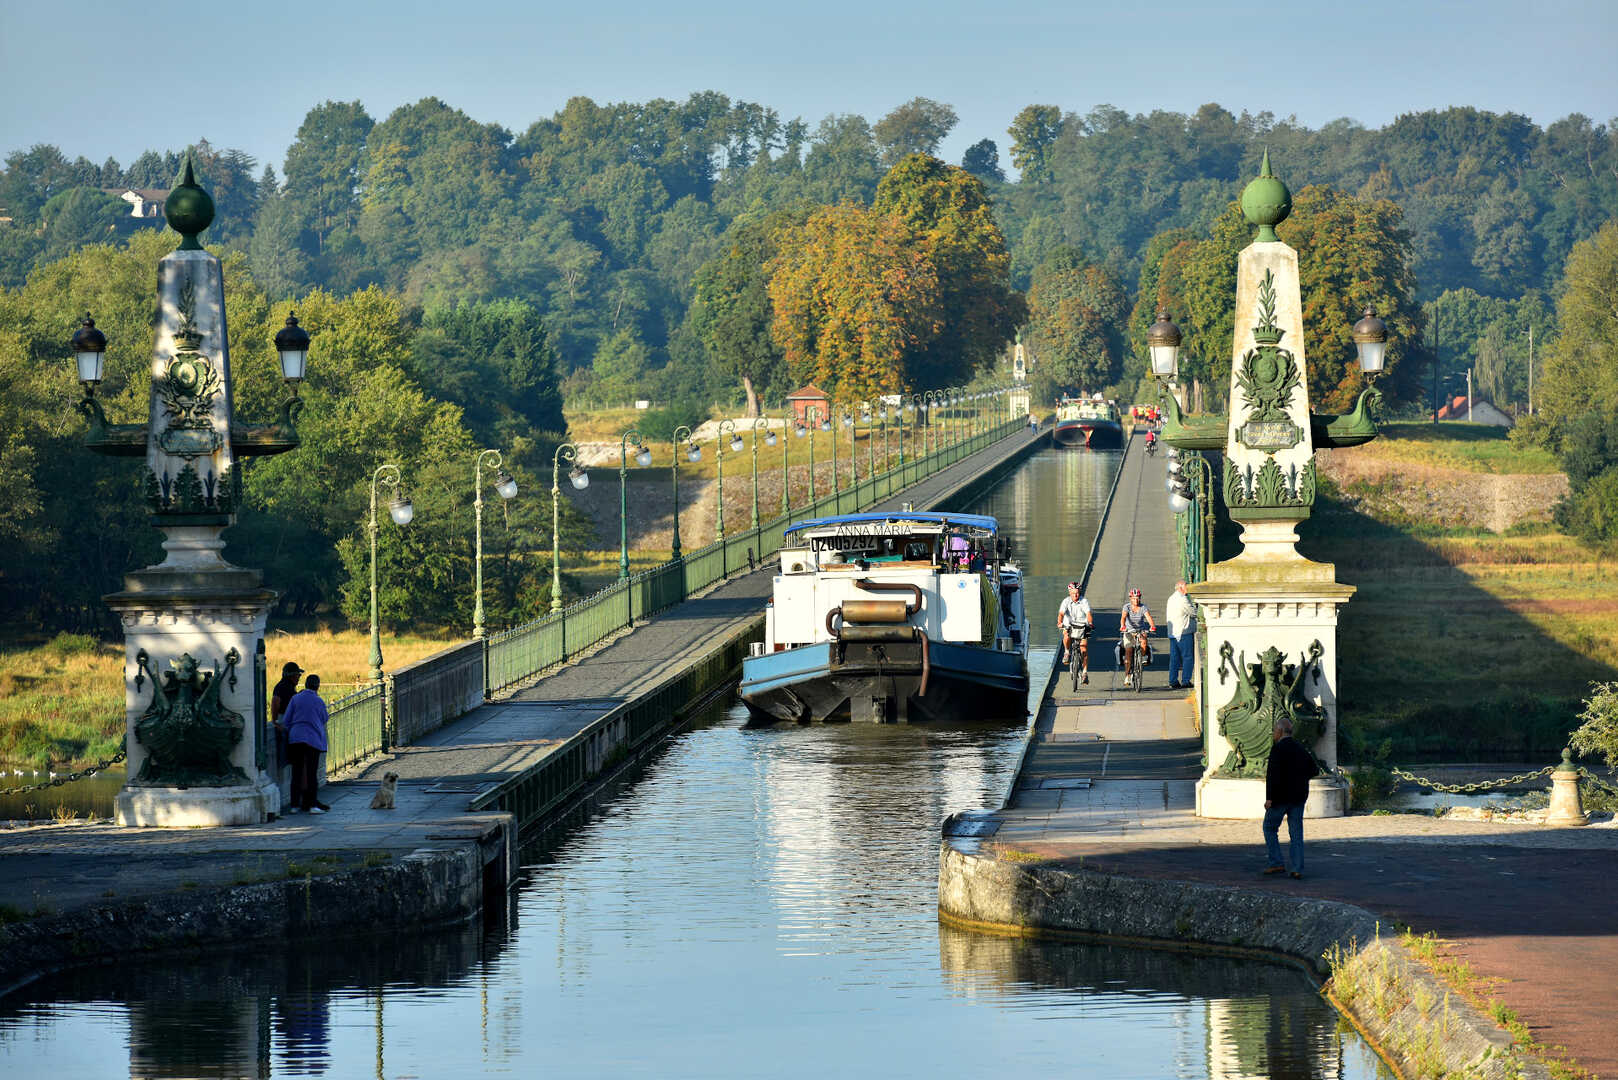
(58, 781)
(1469, 789)
(1596, 781)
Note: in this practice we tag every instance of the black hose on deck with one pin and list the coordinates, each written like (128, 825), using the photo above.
(893, 586)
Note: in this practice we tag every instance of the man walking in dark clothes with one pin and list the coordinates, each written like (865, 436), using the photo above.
(1286, 789)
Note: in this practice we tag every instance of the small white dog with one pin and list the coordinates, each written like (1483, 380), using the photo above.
(383, 799)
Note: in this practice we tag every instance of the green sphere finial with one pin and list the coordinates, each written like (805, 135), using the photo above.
(1266, 202)
(189, 209)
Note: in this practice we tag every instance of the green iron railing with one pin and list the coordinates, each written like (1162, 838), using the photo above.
(523, 651)
(355, 727)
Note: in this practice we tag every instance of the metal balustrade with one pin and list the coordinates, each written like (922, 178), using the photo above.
(355, 727)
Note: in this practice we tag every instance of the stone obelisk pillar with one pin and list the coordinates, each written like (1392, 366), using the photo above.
(1270, 613)
(193, 624)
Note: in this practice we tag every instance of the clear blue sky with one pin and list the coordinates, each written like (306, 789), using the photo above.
(100, 78)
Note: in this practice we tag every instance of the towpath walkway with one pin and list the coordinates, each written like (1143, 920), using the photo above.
(60, 868)
(1108, 785)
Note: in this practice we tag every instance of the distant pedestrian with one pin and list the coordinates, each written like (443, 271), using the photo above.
(1182, 615)
(1286, 789)
(305, 719)
(279, 697)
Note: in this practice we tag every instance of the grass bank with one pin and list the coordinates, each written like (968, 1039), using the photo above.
(1467, 447)
(63, 701)
(1461, 644)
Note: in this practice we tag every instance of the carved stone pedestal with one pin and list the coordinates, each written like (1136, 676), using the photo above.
(1271, 621)
(197, 736)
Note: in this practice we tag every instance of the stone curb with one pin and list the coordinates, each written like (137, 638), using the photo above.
(980, 892)
(428, 887)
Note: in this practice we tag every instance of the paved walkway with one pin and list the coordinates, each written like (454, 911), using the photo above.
(1109, 784)
(60, 868)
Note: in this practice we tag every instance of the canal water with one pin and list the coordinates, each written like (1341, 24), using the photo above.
(758, 902)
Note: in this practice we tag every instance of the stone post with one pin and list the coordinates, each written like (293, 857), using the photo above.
(198, 741)
(1270, 614)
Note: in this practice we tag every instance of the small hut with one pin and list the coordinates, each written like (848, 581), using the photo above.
(800, 401)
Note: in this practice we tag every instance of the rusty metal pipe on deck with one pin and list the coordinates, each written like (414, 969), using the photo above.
(893, 586)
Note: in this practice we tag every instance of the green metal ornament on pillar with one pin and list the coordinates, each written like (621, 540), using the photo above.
(1266, 691)
(187, 731)
(1266, 202)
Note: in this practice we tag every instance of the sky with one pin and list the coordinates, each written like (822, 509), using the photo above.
(102, 79)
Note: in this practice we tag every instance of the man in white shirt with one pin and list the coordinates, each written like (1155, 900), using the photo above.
(1182, 615)
(1075, 620)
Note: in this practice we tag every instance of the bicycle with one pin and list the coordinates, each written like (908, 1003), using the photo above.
(1078, 658)
(1134, 658)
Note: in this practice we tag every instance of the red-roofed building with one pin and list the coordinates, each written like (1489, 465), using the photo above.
(800, 402)
(1481, 412)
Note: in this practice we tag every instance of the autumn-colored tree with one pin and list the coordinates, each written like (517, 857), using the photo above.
(853, 293)
(1077, 315)
(947, 211)
(1351, 252)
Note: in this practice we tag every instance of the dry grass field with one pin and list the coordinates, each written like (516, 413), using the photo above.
(64, 701)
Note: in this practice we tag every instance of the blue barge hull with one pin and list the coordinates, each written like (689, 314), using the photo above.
(882, 683)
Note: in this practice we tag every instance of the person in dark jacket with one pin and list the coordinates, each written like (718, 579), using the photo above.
(305, 719)
(279, 698)
(1286, 789)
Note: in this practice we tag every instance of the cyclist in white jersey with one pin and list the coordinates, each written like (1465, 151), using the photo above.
(1075, 620)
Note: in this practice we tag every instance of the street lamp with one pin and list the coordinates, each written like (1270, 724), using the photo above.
(1371, 341)
(1163, 342)
(580, 480)
(292, 343)
(506, 487)
(719, 460)
(401, 511)
(786, 465)
(693, 452)
(816, 419)
(89, 347)
(643, 459)
(759, 423)
(853, 455)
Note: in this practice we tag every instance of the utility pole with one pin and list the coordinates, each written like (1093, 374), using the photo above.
(1530, 369)
(1469, 395)
(1435, 362)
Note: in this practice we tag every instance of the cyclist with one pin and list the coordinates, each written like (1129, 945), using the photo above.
(1075, 620)
(1136, 620)
(1151, 441)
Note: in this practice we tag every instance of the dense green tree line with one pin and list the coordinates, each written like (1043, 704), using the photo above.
(600, 216)
(421, 388)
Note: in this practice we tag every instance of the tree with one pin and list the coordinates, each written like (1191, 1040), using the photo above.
(1077, 313)
(916, 127)
(494, 359)
(853, 293)
(948, 212)
(730, 309)
(1581, 364)
(982, 160)
(1033, 131)
(620, 367)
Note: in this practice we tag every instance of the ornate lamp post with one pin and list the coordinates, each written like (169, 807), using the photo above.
(1268, 604)
(580, 480)
(848, 420)
(643, 458)
(827, 425)
(719, 460)
(693, 453)
(816, 421)
(507, 489)
(401, 511)
(197, 740)
(759, 424)
(786, 465)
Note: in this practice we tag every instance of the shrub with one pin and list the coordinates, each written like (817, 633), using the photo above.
(1598, 733)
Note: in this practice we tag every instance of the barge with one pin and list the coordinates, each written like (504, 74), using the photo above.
(892, 618)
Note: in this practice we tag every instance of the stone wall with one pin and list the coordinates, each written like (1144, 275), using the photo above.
(1405, 1012)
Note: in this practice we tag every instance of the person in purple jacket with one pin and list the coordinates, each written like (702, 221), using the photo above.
(305, 720)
